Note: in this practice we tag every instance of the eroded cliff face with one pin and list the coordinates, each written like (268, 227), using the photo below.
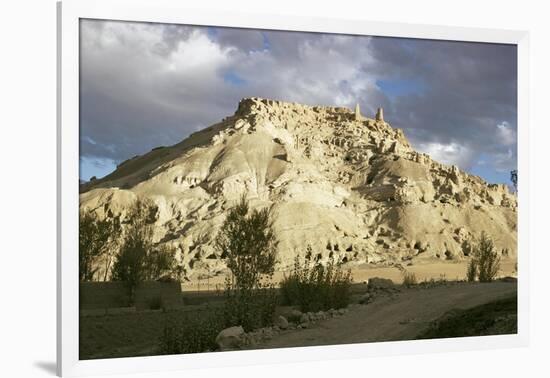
(351, 187)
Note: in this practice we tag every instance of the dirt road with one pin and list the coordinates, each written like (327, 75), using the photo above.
(400, 317)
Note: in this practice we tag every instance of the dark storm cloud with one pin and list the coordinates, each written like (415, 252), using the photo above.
(470, 89)
(243, 39)
(144, 85)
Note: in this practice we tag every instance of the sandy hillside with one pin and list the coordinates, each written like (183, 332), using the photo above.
(350, 186)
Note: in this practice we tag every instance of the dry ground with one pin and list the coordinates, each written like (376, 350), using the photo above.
(402, 316)
(399, 316)
(424, 270)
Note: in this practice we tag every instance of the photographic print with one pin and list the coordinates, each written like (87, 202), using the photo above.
(256, 189)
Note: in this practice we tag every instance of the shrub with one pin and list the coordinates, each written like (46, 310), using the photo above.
(192, 333)
(251, 309)
(433, 282)
(488, 261)
(160, 263)
(247, 241)
(314, 287)
(471, 272)
(493, 318)
(138, 259)
(130, 264)
(485, 262)
(409, 279)
(96, 238)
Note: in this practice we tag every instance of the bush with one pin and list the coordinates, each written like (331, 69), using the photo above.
(251, 309)
(471, 272)
(192, 333)
(138, 259)
(409, 279)
(488, 261)
(161, 264)
(130, 264)
(96, 238)
(493, 318)
(247, 241)
(485, 262)
(314, 287)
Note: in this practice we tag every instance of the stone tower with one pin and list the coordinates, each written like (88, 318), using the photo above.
(357, 113)
(380, 114)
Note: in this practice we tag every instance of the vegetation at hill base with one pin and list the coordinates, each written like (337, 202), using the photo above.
(485, 262)
(313, 286)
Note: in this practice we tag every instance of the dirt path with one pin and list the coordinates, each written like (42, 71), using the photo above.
(401, 317)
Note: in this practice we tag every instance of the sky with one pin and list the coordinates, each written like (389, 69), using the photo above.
(144, 85)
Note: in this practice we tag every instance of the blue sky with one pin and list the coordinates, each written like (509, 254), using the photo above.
(400, 87)
(454, 100)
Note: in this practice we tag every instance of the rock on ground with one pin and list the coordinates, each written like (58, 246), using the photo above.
(281, 322)
(377, 283)
(230, 338)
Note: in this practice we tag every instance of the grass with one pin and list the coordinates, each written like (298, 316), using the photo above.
(432, 282)
(141, 333)
(192, 329)
(132, 334)
(251, 309)
(314, 287)
(409, 279)
(191, 333)
(494, 318)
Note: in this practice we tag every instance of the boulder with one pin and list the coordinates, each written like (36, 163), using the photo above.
(377, 283)
(230, 338)
(281, 322)
(294, 316)
(367, 298)
(509, 279)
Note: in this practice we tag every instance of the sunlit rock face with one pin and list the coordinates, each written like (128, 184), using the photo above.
(350, 186)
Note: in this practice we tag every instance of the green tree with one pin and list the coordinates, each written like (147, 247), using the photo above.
(485, 262)
(161, 263)
(139, 259)
(97, 237)
(131, 263)
(471, 272)
(514, 178)
(488, 260)
(247, 241)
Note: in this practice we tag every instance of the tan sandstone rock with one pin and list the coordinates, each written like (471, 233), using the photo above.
(351, 187)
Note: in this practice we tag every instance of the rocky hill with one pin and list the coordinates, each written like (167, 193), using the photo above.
(350, 186)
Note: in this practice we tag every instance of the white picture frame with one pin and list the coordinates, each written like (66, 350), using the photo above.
(172, 11)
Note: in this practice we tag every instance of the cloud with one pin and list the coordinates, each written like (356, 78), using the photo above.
(145, 84)
(506, 134)
(451, 153)
(504, 161)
